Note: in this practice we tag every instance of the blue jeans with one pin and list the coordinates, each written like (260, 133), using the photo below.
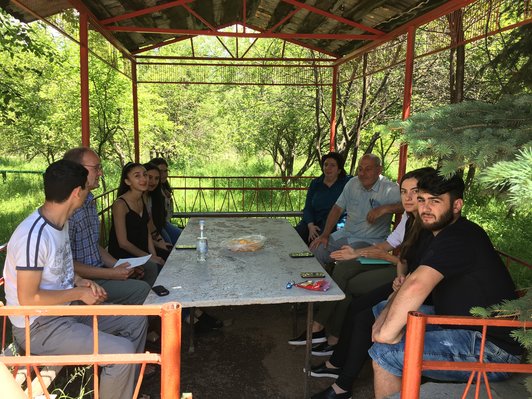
(170, 233)
(441, 344)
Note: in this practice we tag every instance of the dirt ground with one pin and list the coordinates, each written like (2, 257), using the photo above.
(250, 358)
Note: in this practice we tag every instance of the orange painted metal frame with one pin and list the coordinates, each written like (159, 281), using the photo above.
(84, 77)
(134, 82)
(407, 94)
(169, 358)
(414, 363)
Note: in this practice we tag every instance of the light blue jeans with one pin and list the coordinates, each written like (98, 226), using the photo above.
(441, 344)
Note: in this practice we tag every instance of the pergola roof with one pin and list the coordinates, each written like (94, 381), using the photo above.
(333, 27)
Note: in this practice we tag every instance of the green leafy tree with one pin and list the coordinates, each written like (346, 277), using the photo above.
(17, 41)
(514, 178)
(471, 133)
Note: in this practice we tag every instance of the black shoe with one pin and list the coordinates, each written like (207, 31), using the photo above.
(330, 394)
(206, 324)
(323, 349)
(212, 322)
(317, 337)
(321, 370)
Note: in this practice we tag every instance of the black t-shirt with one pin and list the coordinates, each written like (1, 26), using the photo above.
(473, 275)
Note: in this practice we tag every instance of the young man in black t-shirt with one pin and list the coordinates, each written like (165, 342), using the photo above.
(460, 269)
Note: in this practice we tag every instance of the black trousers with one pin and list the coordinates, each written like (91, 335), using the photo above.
(351, 352)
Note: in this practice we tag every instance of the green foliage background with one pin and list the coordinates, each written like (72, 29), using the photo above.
(269, 130)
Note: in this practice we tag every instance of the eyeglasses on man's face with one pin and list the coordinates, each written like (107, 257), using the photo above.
(97, 168)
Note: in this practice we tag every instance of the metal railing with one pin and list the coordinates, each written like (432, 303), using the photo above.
(4, 172)
(414, 363)
(104, 202)
(251, 195)
(242, 195)
(169, 359)
(509, 260)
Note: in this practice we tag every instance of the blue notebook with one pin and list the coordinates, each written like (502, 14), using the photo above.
(372, 261)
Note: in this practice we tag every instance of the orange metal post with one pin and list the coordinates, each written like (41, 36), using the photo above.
(171, 343)
(415, 339)
(135, 110)
(84, 78)
(332, 144)
(407, 94)
(414, 363)
(170, 351)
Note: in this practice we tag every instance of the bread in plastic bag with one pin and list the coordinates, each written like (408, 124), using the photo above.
(249, 243)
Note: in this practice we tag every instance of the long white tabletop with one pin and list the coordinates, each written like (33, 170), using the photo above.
(240, 278)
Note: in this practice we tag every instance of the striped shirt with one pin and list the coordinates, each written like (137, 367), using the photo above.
(39, 246)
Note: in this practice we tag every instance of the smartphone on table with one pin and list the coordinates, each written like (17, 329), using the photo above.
(302, 254)
(312, 274)
(160, 290)
(185, 246)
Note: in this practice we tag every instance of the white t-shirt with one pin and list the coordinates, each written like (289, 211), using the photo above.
(397, 236)
(38, 245)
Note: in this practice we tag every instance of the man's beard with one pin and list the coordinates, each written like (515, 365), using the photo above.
(444, 220)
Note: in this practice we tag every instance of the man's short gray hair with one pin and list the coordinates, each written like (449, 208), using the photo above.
(374, 158)
(76, 154)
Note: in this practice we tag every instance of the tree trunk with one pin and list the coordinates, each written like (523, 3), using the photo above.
(457, 57)
(361, 115)
(470, 176)
(372, 143)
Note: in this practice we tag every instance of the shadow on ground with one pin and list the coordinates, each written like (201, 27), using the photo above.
(251, 359)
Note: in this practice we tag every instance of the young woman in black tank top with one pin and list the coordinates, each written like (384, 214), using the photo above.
(129, 236)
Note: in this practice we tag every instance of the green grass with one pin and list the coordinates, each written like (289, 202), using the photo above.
(20, 195)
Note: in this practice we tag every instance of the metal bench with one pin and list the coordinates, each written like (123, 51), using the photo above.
(265, 214)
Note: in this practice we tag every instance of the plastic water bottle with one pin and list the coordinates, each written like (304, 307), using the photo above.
(202, 246)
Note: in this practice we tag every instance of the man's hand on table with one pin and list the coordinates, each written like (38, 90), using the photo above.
(313, 232)
(345, 253)
(321, 240)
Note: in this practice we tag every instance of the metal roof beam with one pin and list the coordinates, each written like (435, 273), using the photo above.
(301, 44)
(161, 44)
(329, 15)
(82, 8)
(144, 11)
(268, 35)
(199, 17)
(436, 13)
(282, 21)
(185, 58)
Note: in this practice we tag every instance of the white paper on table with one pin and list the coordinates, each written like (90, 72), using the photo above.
(133, 262)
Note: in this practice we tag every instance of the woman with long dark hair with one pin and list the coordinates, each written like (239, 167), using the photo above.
(154, 200)
(129, 236)
(169, 231)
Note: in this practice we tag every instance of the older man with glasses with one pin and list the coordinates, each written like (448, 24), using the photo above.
(91, 260)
